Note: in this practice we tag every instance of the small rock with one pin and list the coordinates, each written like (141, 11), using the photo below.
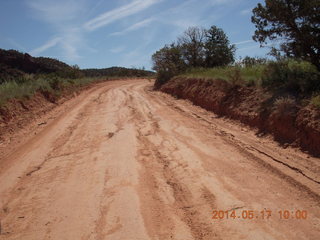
(110, 134)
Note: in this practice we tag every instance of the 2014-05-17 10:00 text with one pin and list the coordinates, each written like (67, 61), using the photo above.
(263, 214)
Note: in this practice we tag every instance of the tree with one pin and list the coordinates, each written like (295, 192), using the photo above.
(251, 61)
(197, 47)
(192, 46)
(218, 51)
(167, 62)
(294, 24)
(76, 66)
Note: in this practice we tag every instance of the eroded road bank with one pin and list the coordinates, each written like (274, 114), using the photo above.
(125, 162)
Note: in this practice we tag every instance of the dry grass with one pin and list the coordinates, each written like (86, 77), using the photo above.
(285, 104)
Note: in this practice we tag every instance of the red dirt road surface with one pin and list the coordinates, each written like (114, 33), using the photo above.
(122, 162)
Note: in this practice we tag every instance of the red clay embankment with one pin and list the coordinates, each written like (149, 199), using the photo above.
(296, 125)
(18, 114)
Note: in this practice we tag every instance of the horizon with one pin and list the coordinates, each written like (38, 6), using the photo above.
(99, 34)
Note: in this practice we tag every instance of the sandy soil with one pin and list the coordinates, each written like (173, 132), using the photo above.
(123, 162)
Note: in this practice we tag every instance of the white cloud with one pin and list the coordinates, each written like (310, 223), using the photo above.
(69, 42)
(72, 41)
(247, 48)
(72, 21)
(98, 4)
(63, 16)
(192, 13)
(244, 42)
(117, 49)
(119, 13)
(134, 27)
(246, 11)
(49, 44)
(58, 11)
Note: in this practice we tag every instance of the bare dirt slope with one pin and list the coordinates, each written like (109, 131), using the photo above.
(124, 162)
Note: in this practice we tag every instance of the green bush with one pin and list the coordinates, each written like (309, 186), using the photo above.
(250, 76)
(235, 76)
(297, 76)
(163, 77)
(46, 84)
(315, 101)
(12, 89)
(56, 84)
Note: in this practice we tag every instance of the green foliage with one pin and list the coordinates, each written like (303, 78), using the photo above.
(118, 72)
(167, 62)
(15, 65)
(252, 61)
(235, 76)
(218, 51)
(315, 101)
(12, 89)
(50, 65)
(21, 75)
(247, 75)
(191, 44)
(294, 24)
(197, 47)
(54, 85)
(296, 76)
(8, 74)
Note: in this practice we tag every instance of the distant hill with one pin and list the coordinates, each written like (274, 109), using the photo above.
(28, 64)
(117, 72)
(15, 65)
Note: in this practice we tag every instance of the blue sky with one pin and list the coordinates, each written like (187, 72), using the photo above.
(105, 33)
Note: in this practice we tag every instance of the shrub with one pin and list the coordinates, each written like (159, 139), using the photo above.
(235, 76)
(297, 76)
(250, 76)
(45, 84)
(315, 101)
(162, 78)
(285, 105)
(56, 84)
(12, 89)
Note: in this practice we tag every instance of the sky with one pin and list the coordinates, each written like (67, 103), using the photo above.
(105, 33)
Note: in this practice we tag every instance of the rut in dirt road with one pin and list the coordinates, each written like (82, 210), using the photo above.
(125, 162)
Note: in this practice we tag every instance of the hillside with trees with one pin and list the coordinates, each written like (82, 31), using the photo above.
(117, 72)
(14, 66)
(22, 76)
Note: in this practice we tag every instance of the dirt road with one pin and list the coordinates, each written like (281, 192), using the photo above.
(123, 162)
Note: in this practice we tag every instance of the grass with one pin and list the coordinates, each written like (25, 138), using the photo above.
(15, 90)
(315, 101)
(30, 84)
(285, 104)
(293, 77)
(250, 75)
(12, 89)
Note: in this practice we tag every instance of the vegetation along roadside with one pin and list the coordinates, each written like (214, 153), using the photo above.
(278, 94)
(31, 86)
